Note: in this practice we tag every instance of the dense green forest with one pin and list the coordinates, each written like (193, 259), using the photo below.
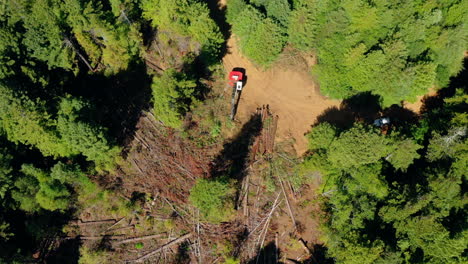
(395, 49)
(399, 197)
(76, 76)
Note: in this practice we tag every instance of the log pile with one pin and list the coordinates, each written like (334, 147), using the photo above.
(265, 143)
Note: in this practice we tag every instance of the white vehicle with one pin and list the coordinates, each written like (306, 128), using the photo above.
(382, 122)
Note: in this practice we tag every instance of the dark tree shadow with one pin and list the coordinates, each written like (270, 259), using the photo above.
(233, 159)
(364, 107)
(401, 118)
(118, 99)
(437, 101)
(218, 14)
(67, 252)
(182, 255)
(270, 254)
(319, 256)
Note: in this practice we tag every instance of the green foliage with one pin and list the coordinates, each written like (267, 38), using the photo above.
(404, 153)
(173, 92)
(9, 51)
(382, 206)
(48, 190)
(84, 138)
(396, 50)
(106, 41)
(28, 122)
(89, 256)
(187, 18)
(27, 187)
(214, 199)
(303, 26)
(234, 9)
(4, 233)
(139, 245)
(278, 10)
(357, 147)
(260, 38)
(60, 33)
(44, 34)
(446, 146)
(321, 136)
(5, 172)
(231, 260)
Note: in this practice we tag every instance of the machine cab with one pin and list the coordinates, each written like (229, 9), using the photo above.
(239, 86)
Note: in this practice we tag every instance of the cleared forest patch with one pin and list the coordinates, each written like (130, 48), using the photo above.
(291, 94)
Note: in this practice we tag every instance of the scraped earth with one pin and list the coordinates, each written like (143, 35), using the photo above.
(291, 94)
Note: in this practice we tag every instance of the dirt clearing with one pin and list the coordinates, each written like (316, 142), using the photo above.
(291, 94)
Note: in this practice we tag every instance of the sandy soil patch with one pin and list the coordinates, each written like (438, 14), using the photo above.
(291, 94)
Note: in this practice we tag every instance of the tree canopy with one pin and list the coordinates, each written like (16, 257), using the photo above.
(395, 49)
(390, 199)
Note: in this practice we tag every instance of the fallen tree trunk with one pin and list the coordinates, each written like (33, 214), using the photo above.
(154, 252)
(135, 239)
(79, 222)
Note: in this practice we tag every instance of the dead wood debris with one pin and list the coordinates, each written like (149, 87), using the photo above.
(136, 239)
(169, 244)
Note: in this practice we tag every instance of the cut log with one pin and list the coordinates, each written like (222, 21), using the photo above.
(154, 252)
(79, 222)
(136, 239)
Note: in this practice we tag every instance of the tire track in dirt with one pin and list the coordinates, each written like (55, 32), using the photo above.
(291, 94)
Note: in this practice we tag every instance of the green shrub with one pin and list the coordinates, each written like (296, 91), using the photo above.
(173, 93)
(139, 245)
(214, 199)
(89, 256)
(260, 38)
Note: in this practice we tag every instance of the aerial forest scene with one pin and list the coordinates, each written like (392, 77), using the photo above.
(234, 131)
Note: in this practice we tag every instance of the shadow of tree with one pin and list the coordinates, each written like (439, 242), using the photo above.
(437, 101)
(218, 14)
(68, 252)
(234, 158)
(360, 107)
(118, 99)
(365, 107)
(182, 255)
(270, 254)
(319, 256)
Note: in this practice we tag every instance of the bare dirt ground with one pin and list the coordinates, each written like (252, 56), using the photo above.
(291, 94)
